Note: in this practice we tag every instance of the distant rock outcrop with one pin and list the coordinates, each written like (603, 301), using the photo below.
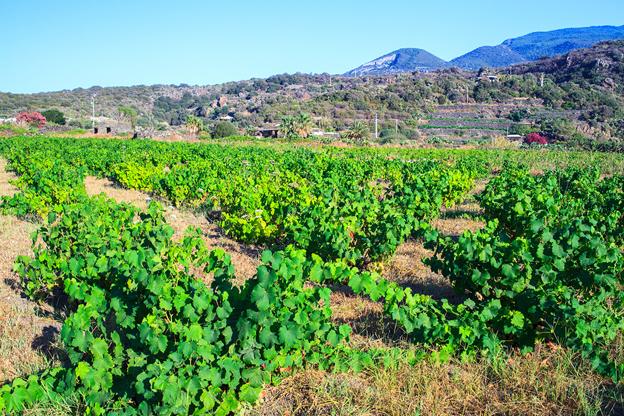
(401, 60)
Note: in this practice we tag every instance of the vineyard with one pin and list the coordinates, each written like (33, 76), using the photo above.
(159, 325)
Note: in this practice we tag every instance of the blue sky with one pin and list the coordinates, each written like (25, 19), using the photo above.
(53, 45)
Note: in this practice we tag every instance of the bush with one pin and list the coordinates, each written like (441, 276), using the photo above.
(557, 129)
(521, 129)
(54, 116)
(224, 129)
(33, 119)
(519, 115)
(412, 134)
(392, 138)
(80, 123)
(535, 138)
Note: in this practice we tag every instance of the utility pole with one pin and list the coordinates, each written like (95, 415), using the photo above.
(396, 126)
(542, 80)
(376, 121)
(93, 113)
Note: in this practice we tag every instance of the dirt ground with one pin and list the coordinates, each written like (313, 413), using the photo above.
(245, 258)
(27, 332)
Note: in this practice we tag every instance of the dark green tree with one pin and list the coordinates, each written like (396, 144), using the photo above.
(54, 116)
(224, 129)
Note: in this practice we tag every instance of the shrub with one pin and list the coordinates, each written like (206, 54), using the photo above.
(80, 123)
(54, 116)
(535, 138)
(392, 138)
(224, 129)
(32, 118)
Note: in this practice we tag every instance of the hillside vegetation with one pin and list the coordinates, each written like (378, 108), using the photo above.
(578, 95)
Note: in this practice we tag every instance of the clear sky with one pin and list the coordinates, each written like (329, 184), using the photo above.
(52, 45)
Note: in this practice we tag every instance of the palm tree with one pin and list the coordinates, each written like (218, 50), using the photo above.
(303, 124)
(288, 127)
(358, 132)
(194, 125)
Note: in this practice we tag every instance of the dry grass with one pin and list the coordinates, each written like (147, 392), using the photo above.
(28, 341)
(407, 269)
(406, 266)
(26, 338)
(371, 328)
(501, 142)
(547, 382)
(462, 217)
(6, 189)
(245, 258)
(96, 186)
(455, 226)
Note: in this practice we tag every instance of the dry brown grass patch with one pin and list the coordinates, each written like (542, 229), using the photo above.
(547, 382)
(6, 188)
(407, 269)
(371, 328)
(27, 341)
(25, 337)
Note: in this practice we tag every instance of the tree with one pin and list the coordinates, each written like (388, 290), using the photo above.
(557, 128)
(519, 115)
(358, 132)
(194, 125)
(288, 127)
(54, 116)
(303, 125)
(32, 118)
(224, 129)
(130, 114)
(296, 126)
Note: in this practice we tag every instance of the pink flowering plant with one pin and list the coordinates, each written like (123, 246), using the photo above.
(31, 118)
(535, 138)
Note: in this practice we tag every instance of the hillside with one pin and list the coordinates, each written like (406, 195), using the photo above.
(557, 42)
(601, 65)
(402, 60)
(580, 95)
(488, 56)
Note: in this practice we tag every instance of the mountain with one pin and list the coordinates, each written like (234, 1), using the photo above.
(557, 42)
(401, 60)
(488, 56)
(525, 48)
(537, 45)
